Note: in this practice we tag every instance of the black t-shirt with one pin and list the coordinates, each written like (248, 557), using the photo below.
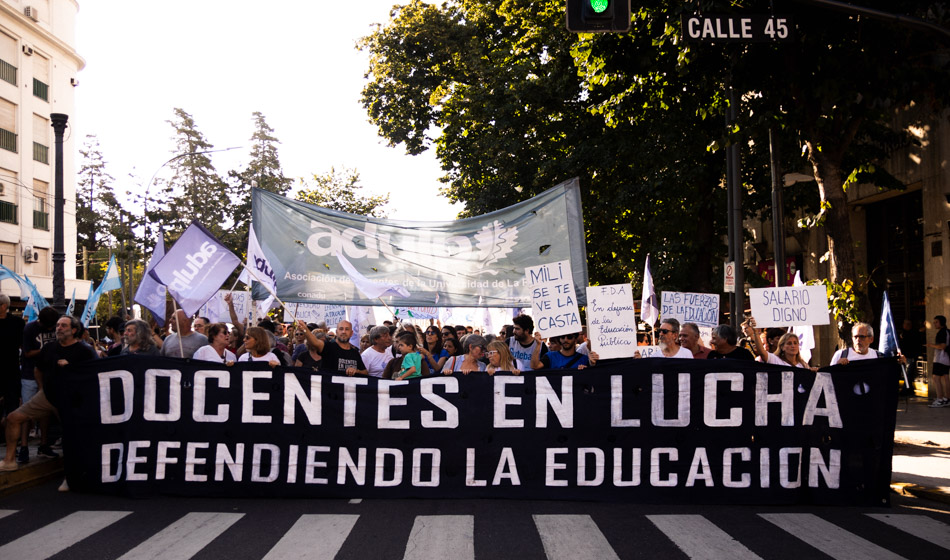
(53, 372)
(739, 353)
(34, 338)
(335, 359)
(11, 338)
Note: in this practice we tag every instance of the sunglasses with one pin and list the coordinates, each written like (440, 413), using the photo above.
(435, 333)
(491, 353)
(664, 331)
(862, 336)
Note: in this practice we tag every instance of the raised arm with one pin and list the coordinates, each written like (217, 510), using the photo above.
(749, 327)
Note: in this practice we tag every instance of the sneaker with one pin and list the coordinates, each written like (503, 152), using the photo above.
(945, 402)
(23, 455)
(64, 487)
(46, 451)
(937, 403)
(7, 467)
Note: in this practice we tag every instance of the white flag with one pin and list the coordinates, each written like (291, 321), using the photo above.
(370, 289)
(649, 312)
(806, 333)
(260, 271)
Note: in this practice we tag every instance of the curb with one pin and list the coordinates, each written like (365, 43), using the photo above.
(917, 491)
(30, 475)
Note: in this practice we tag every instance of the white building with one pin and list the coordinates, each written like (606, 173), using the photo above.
(38, 71)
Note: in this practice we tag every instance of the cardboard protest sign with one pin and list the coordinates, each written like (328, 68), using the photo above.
(791, 305)
(687, 307)
(315, 313)
(553, 300)
(611, 321)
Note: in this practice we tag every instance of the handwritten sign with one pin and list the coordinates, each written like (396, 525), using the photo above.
(611, 321)
(315, 313)
(686, 307)
(789, 306)
(553, 300)
(216, 310)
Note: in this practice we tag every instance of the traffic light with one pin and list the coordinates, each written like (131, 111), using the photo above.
(598, 16)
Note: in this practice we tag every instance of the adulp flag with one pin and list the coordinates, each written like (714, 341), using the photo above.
(195, 267)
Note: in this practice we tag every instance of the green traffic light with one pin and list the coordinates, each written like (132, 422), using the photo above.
(599, 5)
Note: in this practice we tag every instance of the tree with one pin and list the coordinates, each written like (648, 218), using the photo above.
(500, 85)
(264, 172)
(339, 190)
(93, 183)
(195, 191)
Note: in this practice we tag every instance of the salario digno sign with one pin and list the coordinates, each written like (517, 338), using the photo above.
(651, 430)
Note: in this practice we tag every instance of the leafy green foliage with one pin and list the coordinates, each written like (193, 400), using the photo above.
(339, 190)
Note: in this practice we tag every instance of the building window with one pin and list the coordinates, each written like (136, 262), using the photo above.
(41, 77)
(40, 90)
(8, 56)
(7, 212)
(40, 139)
(7, 125)
(40, 206)
(8, 255)
(8, 196)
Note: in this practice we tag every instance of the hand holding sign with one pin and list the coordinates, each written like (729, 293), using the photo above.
(553, 301)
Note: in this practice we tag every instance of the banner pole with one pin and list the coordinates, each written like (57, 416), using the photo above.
(293, 315)
(391, 312)
(181, 347)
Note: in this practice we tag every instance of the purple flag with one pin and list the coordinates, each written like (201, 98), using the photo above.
(195, 267)
(151, 293)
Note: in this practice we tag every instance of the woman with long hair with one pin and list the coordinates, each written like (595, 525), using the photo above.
(432, 351)
(787, 351)
(500, 358)
(217, 348)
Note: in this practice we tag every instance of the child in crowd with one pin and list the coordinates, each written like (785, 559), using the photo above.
(406, 343)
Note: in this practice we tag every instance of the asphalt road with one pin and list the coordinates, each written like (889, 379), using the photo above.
(43, 523)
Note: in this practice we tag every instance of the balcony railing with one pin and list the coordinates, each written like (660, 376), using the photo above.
(40, 90)
(8, 212)
(40, 153)
(7, 140)
(41, 220)
(7, 72)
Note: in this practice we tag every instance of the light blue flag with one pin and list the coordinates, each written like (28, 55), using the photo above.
(35, 303)
(112, 280)
(887, 344)
(6, 273)
(92, 302)
(151, 294)
(72, 304)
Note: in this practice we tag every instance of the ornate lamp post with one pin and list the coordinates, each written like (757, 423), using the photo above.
(59, 252)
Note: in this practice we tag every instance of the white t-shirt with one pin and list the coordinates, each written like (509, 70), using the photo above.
(776, 361)
(209, 354)
(375, 362)
(268, 357)
(681, 353)
(853, 355)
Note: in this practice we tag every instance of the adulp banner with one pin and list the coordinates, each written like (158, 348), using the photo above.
(652, 430)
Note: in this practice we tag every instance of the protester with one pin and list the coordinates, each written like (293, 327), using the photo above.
(36, 335)
(11, 340)
(258, 346)
(522, 343)
(184, 342)
(690, 340)
(432, 350)
(862, 336)
(500, 358)
(787, 348)
(667, 338)
(200, 325)
(114, 330)
(236, 322)
(338, 356)
(460, 331)
(473, 348)
(724, 341)
(138, 339)
(911, 343)
(451, 346)
(377, 355)
(51, 366)
(566, 357)
(365, 343)
(411, 358)
(310, 358)
(448, 332)
(941, 364)
(217, 350)
(300, 342)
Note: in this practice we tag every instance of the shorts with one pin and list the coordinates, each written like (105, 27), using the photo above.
(28, 388)
(940, 369)
(38, 407)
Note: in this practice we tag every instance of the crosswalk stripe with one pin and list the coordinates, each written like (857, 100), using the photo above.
(921, 526)
(828, 537)
(434, 537)
(317, 537)
(700, 538)
(183, 538)
(6, 512)
(60, 535)
(568, 537)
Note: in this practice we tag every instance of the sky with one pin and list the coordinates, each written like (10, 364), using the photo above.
(294, 61)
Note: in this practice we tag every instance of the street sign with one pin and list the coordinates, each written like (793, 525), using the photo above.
(722, 28)
(729, 285)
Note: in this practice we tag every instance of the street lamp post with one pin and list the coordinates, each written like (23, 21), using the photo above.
(59, 252)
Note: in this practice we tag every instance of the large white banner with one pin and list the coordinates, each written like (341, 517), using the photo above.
(789, 306)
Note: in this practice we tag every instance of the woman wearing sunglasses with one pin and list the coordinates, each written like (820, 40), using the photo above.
(431, 349)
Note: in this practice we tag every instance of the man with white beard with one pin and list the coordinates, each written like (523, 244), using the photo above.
(668, 341)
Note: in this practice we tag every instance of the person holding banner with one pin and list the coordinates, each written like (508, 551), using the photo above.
(217, 350)
(338, 355)
(522, 344)
(724, 341)
(473, 348)
(668, 341)
(500, 358)
(138, 339)
(376, 356)
(690, 340)
(786, 352)
(862, 336)
(258, 347)
(567, 357)
(432, 350)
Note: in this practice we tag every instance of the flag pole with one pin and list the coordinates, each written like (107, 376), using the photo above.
(181, 347)
(256, 277)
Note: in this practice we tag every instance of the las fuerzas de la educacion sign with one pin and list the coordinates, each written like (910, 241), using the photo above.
(651, 430)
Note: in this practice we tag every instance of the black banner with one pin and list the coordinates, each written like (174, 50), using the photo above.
(651, 430)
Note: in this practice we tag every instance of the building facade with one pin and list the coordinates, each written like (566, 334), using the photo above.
(38, 71)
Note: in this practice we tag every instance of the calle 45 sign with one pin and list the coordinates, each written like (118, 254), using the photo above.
(715, 28)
